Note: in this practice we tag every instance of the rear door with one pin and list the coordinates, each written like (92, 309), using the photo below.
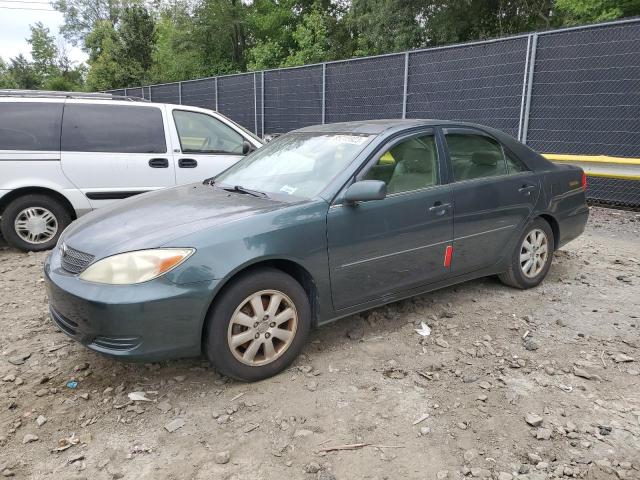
(387, 246)
(204, 144)
(493, 195)
(112, 150)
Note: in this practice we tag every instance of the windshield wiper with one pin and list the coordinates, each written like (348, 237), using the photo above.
(248, 191)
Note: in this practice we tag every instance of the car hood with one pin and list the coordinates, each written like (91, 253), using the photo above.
(154, 219)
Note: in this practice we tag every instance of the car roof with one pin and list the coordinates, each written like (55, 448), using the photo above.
(48, 94)
(376, 127)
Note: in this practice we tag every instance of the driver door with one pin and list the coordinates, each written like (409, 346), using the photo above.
(203, 145)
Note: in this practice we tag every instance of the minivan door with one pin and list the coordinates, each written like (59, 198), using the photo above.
(113, 150)
(204, 144)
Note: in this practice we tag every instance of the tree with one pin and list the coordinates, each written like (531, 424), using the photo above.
(6, 80)
(82, 16)
(121, 56)
(23, 73)
(175, 56)
(313, 43)
(137, 31)
(44, 51)
(589, 11)
(220, 35)
(383, 26)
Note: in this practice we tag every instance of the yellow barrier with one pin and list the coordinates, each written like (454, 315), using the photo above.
(624, 168)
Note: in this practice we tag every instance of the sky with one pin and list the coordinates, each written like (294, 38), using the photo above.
(14, 28)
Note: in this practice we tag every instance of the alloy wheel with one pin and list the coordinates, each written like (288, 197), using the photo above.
(262, 327)
(534, 253)
(36, 225)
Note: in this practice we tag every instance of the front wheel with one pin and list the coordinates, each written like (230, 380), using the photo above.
(532, 256)
(258, 325)
(34, 222)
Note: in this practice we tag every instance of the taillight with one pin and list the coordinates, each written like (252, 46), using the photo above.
(584, 181)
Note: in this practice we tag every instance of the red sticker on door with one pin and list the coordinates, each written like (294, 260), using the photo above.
(448, 253)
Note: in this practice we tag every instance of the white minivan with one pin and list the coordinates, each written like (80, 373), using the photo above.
(65, 154)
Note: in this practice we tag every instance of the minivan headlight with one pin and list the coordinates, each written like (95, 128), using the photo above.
(135, 267)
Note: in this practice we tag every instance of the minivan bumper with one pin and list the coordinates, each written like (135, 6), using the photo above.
(151, 321)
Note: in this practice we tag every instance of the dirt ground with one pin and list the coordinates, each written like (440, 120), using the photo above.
(531, 385)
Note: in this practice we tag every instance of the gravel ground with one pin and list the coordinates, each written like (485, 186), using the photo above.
(531, 385)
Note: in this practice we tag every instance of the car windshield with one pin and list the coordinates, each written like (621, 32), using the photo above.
(297, 164)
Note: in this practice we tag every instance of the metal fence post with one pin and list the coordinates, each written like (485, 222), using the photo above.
(406, 79)
(216, 90)
(149, 93)
(527, 107)
(262, 107)
(180, 93)
(125, 91)
(324, 88)
(524, 87)
(255, 105)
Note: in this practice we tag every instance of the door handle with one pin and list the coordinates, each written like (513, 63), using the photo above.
(159, 163)
(527, 189)
(439, 208)
(187, 163)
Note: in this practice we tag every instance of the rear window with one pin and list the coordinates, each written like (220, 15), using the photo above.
(113, 128)
(30, 126)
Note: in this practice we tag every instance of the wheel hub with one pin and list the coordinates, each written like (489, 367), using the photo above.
(36, 225)
(262, 328)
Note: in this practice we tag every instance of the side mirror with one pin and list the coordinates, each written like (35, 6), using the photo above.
(365, 190)
(247, 148)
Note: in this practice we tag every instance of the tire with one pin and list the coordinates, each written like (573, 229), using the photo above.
(234, 314)
(50, 214)
(517, 276)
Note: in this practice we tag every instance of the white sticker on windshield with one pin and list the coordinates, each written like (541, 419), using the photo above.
(351, 139)
(289, 190)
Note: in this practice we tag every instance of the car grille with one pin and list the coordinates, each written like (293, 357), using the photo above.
(75, 261)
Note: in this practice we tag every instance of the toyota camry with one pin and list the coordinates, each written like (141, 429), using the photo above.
(321, 223)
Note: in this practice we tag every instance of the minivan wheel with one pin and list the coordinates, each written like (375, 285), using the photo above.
(34, 222)
(532, 256)
(257, 325)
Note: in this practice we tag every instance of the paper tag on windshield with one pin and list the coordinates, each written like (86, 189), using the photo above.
(351, 139)
(289, 190)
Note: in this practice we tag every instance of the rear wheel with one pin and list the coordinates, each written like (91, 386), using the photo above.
(532, 256)
(34, 222)
(258, 325)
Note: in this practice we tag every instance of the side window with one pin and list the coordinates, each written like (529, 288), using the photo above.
(112, 128)
(514, 164)
(409, 165)
(475, 156)
(201, 133)
(33, 126)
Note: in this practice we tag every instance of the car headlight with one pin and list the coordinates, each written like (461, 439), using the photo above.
(135, 267)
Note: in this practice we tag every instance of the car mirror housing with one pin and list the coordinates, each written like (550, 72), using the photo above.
(365, 190)
(247, 148)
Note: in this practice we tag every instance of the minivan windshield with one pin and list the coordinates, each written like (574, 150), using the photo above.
(297, 164)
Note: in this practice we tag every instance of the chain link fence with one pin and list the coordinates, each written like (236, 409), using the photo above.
(570, 92)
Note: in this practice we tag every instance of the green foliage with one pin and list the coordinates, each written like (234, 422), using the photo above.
(50, 67)
(43, 50)
(589, 11)
(134, 42)
(121, 55)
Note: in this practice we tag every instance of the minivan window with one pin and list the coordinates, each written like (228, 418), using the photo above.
(113, 128)
(30, 126)
(201, 133)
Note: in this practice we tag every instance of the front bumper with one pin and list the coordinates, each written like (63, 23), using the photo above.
(150, 321)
